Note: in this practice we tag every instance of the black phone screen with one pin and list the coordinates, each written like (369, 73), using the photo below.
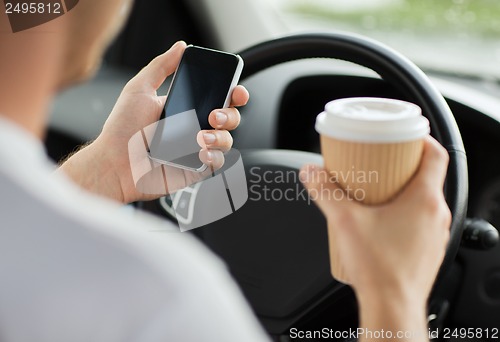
(201, 83)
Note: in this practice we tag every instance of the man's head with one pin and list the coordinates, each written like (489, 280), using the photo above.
(79, 37)
(91, 26)
(38, 62)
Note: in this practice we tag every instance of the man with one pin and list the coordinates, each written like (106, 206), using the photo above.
(76, 268)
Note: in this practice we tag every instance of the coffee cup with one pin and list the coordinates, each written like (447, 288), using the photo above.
(371, 147)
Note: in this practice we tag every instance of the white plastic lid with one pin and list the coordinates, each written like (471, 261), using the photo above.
(375, 120)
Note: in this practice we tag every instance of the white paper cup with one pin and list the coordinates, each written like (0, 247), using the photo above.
(372, 147)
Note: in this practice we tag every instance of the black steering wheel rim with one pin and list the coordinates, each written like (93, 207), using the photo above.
(397, 70)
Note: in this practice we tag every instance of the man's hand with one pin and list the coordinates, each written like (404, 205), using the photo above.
(392, 253)
(103, 167)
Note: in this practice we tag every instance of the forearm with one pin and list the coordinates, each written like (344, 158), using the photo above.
(392, 318)
(88, 169)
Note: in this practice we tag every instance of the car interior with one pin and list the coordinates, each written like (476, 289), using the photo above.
(277, 251)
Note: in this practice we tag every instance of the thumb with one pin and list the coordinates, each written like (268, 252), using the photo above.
(154, 74)
(323, 189)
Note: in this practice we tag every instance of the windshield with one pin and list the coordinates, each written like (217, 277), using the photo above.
(451, 36)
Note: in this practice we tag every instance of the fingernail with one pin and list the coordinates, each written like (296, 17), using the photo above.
(210, 156)
(220, 118)
(209, 138)
(176, 45)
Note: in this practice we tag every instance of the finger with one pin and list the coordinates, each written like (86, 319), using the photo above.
(434, 165)
(215, 140)
(227, 118)
(214, 159)
(322, 189)
(240, 96)
(154, 74)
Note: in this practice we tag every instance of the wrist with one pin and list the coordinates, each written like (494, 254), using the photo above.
(395, 312)
(92, 170)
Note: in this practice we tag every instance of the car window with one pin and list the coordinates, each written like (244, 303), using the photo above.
(457, 36)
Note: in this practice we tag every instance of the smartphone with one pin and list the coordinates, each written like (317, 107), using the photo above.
(203, 81)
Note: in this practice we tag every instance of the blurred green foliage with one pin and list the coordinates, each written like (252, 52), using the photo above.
(478, 17)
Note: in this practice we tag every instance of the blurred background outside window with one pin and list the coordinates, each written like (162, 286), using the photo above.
(449, 36)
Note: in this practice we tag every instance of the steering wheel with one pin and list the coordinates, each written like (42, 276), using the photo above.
(400, 72)
(277, 250)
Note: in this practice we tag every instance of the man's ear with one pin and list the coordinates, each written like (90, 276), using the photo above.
(24, 15)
